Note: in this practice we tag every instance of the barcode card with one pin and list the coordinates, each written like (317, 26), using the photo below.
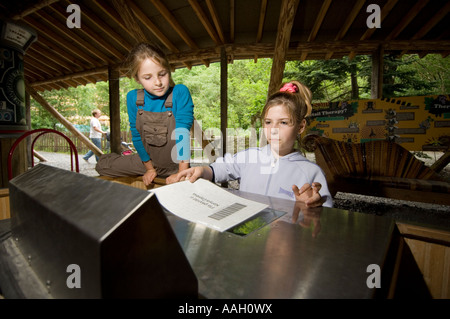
(227, 211)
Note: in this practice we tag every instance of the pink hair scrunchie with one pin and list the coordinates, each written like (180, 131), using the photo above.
(289, 87)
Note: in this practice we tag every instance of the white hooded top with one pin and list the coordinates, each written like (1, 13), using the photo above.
(261, 173)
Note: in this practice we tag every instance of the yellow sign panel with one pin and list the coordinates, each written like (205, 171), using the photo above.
(418, 123)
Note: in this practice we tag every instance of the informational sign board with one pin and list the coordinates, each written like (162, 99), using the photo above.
(418, 123)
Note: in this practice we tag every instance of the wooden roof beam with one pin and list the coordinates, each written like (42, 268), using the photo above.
(44, 69)
(174, 23)
(201, 15)
(44, 61)
(216, 20)
(30, 69)
(155, 30)
(285, 23)
(38, 6)
(130, 20)
(36, 51)
(119, 41)
(232, 20)
(176, 26)
(412, 13)
(431, 23)
(58, 41)
(348, 22)
(384, 12)
(319, 19)
(317, 24)
(115, 16)
(72, 36)
(262, 18)
(95, 38)
(94, 71)
(152, 27)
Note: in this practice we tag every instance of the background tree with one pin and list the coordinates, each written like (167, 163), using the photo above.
(329, 80)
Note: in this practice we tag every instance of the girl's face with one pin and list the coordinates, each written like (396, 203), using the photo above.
(154, 78)
(279, 130)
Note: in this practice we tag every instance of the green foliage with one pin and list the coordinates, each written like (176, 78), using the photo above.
(329, 80)
(248, 227)
(247, 92)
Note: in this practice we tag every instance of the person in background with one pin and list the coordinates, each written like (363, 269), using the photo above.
(276, 169)
(95, 134)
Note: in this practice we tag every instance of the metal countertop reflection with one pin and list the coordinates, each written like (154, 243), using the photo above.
(315, 253)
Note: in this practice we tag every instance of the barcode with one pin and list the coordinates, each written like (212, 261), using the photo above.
(227, 211)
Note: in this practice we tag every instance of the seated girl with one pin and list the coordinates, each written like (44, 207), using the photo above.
(276, 169)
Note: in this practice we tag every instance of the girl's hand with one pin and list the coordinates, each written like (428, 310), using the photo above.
(149, 176)
(172, 179)
(309, 194)
(191, 174)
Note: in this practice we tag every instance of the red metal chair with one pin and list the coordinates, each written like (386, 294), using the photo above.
(42, 131)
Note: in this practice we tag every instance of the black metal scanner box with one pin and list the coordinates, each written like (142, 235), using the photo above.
(88, 238)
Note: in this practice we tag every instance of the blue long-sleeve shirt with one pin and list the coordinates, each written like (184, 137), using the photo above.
(183, 110)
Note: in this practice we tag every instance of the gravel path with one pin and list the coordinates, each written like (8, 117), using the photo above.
(398, 209)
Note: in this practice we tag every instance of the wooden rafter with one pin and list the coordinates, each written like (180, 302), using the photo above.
(205, 21)
(232, 20)
(52, 37)
(96, 40)
(407, 19)
(152, 27)
(317, 24)
(177, 27)
(108, 8)
(216, 20)
(70, 35)
(285, 23)
(262, 17)
(34, 8)
(130, 20)
(348, 22)
(384, 12)
(247, 30)
(175, 24)
(430, 24)
(102, 70)
(118, 40)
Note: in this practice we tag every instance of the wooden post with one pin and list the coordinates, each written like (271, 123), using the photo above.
(224, 101)
(114, 109)
(287, 15)
(62, 120)
(377, 74)
(28, 116)
(223, 97)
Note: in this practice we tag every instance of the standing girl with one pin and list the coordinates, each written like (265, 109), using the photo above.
(160, 116)
(277, 168)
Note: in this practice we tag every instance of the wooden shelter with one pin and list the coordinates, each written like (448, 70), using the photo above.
(86, 41)
(81, 42)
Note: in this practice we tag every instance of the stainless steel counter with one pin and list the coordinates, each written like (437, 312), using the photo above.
(318, 253)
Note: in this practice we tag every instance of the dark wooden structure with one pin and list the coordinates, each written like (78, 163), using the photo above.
(377, 168)
(192, 32)
(200, 32)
